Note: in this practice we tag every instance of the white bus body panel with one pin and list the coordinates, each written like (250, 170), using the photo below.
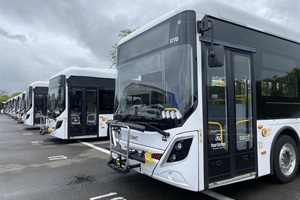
(29, 120)
(184, 174)
(103, 118)
(63, 130)
(264, 143)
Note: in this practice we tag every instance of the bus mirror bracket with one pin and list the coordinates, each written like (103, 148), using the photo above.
(216, 52)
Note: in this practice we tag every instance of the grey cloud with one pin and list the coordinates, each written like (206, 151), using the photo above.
(93, 27)
(8, 35)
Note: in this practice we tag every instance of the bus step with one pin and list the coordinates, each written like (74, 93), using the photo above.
(137, 156)
(134, 166)
(112, 163)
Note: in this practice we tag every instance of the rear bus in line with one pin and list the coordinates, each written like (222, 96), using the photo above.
(207, 95)
(35, 103)
(4, 107)
(21, 107)
(80, 101)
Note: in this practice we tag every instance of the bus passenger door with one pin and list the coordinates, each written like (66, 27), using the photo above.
(91, 114)
(230, 137)
(40, 106)
(75, 122)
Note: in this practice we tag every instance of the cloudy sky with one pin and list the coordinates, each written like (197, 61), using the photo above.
(39, 38)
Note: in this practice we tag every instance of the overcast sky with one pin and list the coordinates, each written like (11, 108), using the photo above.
(42, 37)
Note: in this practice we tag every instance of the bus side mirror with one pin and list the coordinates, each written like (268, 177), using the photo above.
(216, 56)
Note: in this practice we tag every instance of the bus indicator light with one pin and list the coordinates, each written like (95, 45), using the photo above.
(260, 126)
(148, 158)
(264, 132)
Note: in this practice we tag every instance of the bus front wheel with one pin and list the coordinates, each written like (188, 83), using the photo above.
(286, 158)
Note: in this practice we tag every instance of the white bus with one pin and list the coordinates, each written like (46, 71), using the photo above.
(207, 95)
(9, 106)
(17, 105)
(14, 106)
(80, 103)
(21, 107)
(35, 103)
(4, 107)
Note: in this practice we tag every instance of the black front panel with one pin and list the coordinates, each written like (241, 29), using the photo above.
(277, 69)
(40, 103)
(230, 133)
(77, 112)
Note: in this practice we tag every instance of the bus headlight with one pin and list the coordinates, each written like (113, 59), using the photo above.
(178, 145)
(180, 150)
(173, 157)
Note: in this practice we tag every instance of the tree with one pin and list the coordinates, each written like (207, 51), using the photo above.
(113, 53)
(3, 92)
(15, 94)
(3, 97)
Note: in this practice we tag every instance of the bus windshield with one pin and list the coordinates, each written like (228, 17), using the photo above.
(158, 85)
(56, 96)
(22, 102)
(28, 95)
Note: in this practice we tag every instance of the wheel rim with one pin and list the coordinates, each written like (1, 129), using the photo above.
(287, 159)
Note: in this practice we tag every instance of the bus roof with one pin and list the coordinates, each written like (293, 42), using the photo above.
(88, 72)
(225, 12)
(39, 84)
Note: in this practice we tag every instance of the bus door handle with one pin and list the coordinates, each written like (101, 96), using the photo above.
(219, 163)
(245, 157)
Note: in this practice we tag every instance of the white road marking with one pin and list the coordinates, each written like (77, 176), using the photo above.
(103, 196)
(95, 147)
(216, 195)
(27, 134)
(118, 198)
(103, 142)
(60, 157)
(37, 142)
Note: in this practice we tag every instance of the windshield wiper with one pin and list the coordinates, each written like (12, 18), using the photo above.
(164, 133)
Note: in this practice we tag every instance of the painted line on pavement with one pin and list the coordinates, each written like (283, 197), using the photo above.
(37, 142)
(103, 196)
(216, 195)
(27, 134)
(60, 157)
(94, 147)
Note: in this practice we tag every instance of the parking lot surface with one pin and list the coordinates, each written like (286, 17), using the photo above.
(36, 167)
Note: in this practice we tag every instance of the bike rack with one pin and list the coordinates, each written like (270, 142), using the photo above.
(121, 163)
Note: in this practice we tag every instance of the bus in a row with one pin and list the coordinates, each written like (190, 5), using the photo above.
(207, 95)
(80, 102)
(74, 103)
(35, 103)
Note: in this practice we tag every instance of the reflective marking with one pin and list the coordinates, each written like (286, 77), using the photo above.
(27, 134)
(118, 198)
(216, 195)
(103, 196)
(103, 142)
(95, 147)
(37, 142)
(60, 157)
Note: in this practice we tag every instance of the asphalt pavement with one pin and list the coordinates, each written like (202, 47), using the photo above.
(36, 167)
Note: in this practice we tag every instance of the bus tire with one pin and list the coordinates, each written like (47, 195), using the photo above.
(286, 159)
